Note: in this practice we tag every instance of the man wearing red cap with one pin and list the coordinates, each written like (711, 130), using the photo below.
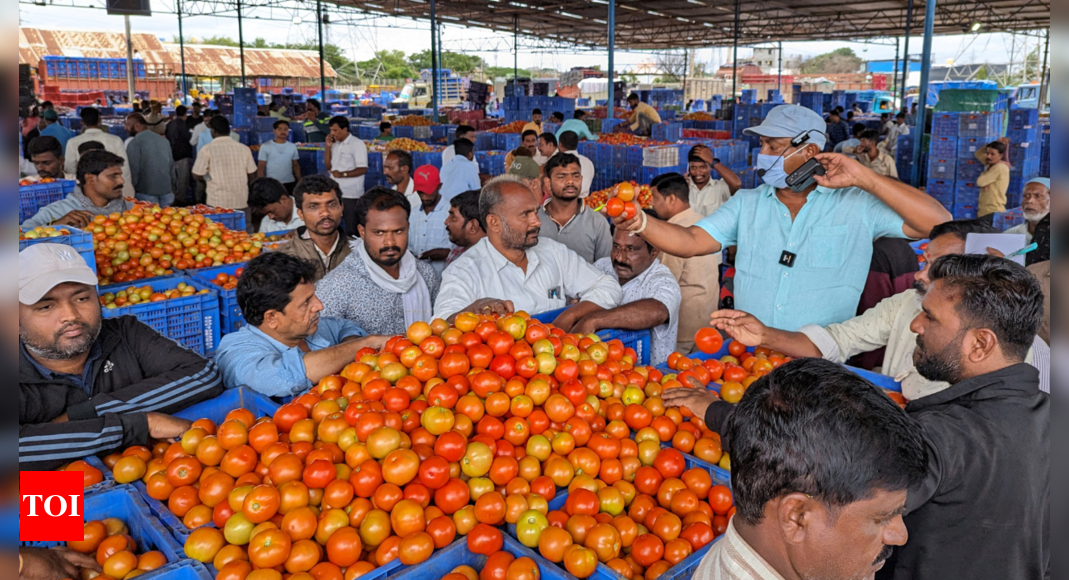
(428, 238)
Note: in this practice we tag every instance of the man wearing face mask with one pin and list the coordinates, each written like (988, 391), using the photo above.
(804, 251)
(886, 325)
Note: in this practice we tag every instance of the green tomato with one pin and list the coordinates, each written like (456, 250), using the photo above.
(529, 528)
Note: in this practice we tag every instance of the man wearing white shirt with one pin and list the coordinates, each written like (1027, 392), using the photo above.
(428, 237)
(346, 161)
(93, 131)
(547, 147)
(462, 173)
(1036, 207)
(463, 132)
(899, 129)
(397, 168)
(513, 269)
(269, 196)
(708, 194)
(651, 296)
(568, 143)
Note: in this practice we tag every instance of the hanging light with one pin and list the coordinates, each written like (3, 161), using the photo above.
(976, 26)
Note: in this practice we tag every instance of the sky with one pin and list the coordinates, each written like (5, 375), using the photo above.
(362, 39)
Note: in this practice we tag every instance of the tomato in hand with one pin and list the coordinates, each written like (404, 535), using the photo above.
(709, 340)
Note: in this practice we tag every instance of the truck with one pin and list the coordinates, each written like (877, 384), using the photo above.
(1027, 97)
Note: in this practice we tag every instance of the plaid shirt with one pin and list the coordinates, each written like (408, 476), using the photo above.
(227, 164)
(837, 133)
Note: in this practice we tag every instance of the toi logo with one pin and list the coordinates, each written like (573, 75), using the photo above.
(51, 506)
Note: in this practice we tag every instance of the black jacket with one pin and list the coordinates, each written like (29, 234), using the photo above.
(984, 511)
(178, 135)
(138, 372)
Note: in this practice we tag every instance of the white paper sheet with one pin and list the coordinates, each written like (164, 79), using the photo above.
(1005, 243)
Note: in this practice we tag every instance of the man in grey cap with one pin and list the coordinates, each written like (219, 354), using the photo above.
(88, 385)
(803, 253)
(528, 170)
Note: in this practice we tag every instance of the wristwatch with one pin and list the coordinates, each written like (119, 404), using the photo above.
(716, 161)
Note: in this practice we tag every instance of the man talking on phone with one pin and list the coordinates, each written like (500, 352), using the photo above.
(805, 235)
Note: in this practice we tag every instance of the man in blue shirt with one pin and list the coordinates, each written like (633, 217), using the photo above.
(462, 173)
(577, 126)
(286, 347)
(803, 256)
(52, 128)
(279, 159)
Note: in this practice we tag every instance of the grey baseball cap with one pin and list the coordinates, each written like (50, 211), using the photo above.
(790, 121)
(42, 267)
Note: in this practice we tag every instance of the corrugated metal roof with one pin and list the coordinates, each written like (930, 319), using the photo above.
(201, 60)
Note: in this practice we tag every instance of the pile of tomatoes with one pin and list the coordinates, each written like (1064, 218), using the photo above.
(115, 551)
(699, 116)
(133, 296)
(410, 145)
(227, 281)
(35, 181)
(513, 127)
(450, 431)
(413, 121)
(42, 232)
(148, 241)
(642, 193)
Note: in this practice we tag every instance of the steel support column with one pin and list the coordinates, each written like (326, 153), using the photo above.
(182, 51)
(131, 72)
(434, 61)
(241, 44)
(322, 61)
(1044, 85)
(735, 55)
(894, 86)
(905, 66)
(612, 58)
(922, 98)
(779, 80)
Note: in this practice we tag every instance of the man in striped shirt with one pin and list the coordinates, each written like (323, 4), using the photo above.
(88, 385)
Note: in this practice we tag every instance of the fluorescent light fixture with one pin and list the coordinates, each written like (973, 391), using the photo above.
(698, 2)
(297, 20)
(681, 19)
(652, 13)
(600, 21)
(453, 18)
(976, 26)
(570, 15)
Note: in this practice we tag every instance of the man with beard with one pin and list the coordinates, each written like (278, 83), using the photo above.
(397, 169)
(321, 241)
(381, 286)
(651, 296)
(99, 192)
(886, 325)
(708, 194)
(287, 346)
(566, 218)
(89, 386)
(1036, 207)
(46, 154)
(815, 500)
(463, 224)
(988, 436)
(513, 269)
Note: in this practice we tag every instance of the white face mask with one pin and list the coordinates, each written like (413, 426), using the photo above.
(774, 174)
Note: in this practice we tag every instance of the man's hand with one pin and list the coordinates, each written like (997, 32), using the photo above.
(696, 401)
(588, 325)
(438, 255)
(166, 427)
(631, 225)
(54, 564)
(843, 172)
(740, 326)
(705, 153)
(489, 306)
(375, 342)
(338, 174)
(75, 219)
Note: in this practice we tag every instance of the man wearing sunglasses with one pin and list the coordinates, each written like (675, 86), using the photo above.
(805, 235)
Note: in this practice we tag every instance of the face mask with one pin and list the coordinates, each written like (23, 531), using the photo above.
(774, 175)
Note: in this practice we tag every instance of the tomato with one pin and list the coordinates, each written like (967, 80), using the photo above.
(496, 567)
(709, 340)
(238, 461)
(647, 550)
(530, 527)
(453, 364)
(203, 544)
(720, 500)
(453, 496)
(344, 547)
(605, 542)
(485, 540)
(269, 548)
(669, 463)
(553, 542)
(415, 548)
(698, 534)
(434, 472)
(442, 530)
(319, 474)
(579, 561)
(94, 534)
(91, 475)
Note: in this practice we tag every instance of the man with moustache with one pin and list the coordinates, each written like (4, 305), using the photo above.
(321, 241)
(566, 218)
(513, 269)
(1035, 205)
(708, 194)
(99, 192)
(428, 236)
(381, 286)
(463, 224)
(651, 296)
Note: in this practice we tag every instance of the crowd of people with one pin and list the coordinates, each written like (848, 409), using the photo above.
(831, 479)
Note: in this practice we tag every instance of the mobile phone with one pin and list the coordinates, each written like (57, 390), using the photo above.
(802, 178)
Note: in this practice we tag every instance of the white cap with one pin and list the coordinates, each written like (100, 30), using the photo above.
(42, 267)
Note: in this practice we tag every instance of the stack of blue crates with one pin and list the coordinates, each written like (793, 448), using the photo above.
(520, 108)
(245, 105)
(943, 158)
(904, 157)
(670, 132)
(814, 101)
(1026, 152)
(749, 97)
(975, 131)
(1044, 161)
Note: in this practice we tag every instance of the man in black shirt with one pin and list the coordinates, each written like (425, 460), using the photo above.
(178, 134)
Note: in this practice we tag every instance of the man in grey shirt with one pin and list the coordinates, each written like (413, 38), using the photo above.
(151, 162)
(566, 218)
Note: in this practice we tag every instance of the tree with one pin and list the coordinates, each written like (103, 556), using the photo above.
(841, 61)
(393, 66)
(458, 63)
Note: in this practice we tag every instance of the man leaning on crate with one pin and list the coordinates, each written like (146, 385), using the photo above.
(89, 386)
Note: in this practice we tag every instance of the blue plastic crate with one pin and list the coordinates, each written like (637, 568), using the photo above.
(965, 211)
(1023, 135)
(943, 147)
(670, 132)
(124, 503)
(427, 158)
(34, 197)
(969, 169)
(507, 141)
(966, 192)
(968, 146)
(609, 125)
(233, 221)
(484, 141)
(940, 187)
(942, 169)
(229, 311)
(192, 321)
(945, 124)
(987, 125)
(490, 162)
(1021, 118)
(81, 242)
(446, 560)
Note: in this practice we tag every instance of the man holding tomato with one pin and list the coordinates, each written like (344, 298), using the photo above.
(287, 346)
(90, 386)
(813, 499)
(803, 256)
